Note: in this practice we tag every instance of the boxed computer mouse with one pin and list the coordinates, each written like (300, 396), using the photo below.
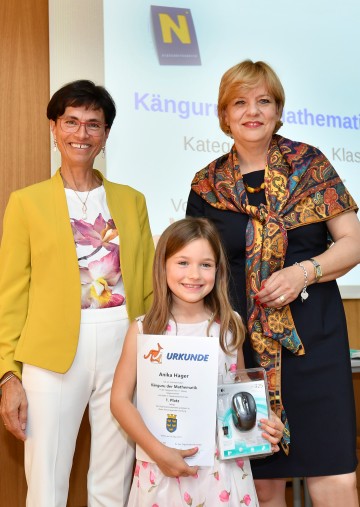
(242, 402)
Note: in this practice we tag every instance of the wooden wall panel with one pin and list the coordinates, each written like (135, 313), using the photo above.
(24, 94)
(12, 478)
(352, 310)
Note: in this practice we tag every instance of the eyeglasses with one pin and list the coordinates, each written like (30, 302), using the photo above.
(72, 125)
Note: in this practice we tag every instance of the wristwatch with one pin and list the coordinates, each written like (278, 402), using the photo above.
(317, 270)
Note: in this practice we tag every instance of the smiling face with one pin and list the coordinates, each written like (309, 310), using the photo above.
(79, 148)
(251, 116)
(190, 273)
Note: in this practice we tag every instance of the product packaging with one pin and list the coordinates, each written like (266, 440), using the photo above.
(242, 402)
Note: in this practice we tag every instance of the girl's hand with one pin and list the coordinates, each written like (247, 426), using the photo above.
(172, 463)
(273, 430)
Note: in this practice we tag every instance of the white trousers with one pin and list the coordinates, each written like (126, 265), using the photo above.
(56, 406)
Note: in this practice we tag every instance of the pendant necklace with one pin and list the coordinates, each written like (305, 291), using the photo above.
(84, 207)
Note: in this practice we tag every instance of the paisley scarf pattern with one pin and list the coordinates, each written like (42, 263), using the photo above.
(301, 187)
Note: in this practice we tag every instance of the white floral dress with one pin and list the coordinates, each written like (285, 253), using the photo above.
(229, 483)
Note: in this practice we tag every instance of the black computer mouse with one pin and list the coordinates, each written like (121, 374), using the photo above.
(244, 411)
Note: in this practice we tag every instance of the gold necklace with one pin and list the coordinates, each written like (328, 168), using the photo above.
(84, 207)
(254, 190)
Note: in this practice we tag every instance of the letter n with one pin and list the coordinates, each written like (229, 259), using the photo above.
(168, 25)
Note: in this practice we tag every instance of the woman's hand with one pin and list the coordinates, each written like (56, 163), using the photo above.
(273, 430)
(13, 408)
(281, 288)
(172, 464)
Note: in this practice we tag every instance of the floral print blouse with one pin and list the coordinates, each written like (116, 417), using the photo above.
(97, 247)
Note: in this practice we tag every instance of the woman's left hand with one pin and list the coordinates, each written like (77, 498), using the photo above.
(281, 288)
(273, 430)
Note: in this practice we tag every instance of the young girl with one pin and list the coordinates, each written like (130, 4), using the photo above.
(190, 299)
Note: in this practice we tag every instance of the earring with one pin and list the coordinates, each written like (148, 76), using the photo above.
(103, 152)
(55, 145)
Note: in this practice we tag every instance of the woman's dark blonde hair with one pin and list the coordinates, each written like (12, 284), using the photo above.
(244, 76)
(173, 239)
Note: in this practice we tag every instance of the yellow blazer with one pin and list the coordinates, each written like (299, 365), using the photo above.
(40, 290)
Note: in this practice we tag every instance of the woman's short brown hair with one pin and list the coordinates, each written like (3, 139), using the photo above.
(246, 75)
(82, 93)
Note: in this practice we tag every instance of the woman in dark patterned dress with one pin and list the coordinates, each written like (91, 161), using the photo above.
(279, 205)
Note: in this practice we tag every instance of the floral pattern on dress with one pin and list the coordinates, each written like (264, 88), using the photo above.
(229, 483)
(99, 275)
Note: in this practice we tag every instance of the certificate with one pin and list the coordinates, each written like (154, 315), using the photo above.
(177, 392)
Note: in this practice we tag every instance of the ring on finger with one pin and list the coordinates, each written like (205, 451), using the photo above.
(281, 298)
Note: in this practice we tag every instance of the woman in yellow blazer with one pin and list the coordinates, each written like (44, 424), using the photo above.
(76, 261)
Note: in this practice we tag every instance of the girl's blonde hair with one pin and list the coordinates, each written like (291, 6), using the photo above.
(173, 239)
(244, 76)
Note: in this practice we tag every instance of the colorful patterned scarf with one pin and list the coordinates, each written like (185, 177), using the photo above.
(301, 187)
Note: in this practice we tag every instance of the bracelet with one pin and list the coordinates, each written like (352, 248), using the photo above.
(8, 377)
(304, 294)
